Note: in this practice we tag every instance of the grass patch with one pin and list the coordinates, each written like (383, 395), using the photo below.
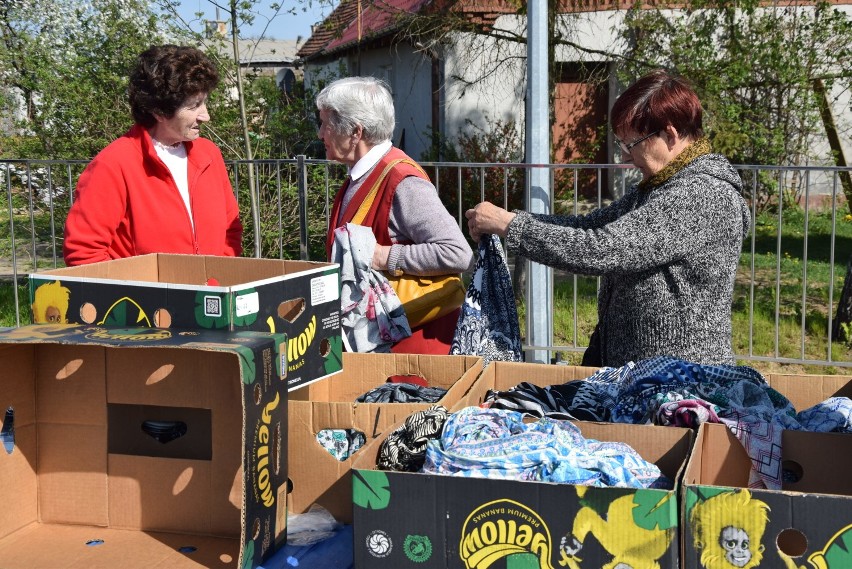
(7, 304)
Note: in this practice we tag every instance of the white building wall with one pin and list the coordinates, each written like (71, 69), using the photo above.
(501, 94)
(408, 74)
(467, 105)
(472, 103)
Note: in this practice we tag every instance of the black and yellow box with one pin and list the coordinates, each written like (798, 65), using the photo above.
(806, 524)
(197, 292)
(404, 519)
(141, 447)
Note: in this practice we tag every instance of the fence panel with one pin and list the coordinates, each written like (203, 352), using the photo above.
(791, 270)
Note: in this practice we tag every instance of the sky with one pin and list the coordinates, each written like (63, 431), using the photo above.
(283, 26)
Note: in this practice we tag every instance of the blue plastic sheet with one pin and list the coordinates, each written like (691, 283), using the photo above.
(335, 552)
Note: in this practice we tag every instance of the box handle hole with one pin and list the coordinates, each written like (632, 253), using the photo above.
(164, 431)
(95, 542)
(791, 472)
(289, 310)
(341, 443)
(792, 542)
(7, 433)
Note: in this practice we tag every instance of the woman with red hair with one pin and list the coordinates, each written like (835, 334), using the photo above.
(667, 251)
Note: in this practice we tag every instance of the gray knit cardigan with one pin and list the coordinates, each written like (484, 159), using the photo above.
(667, 256)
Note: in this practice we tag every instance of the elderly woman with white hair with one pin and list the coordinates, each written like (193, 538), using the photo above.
(390, 193)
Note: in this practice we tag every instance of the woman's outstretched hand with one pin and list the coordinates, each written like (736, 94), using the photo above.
(487, 218)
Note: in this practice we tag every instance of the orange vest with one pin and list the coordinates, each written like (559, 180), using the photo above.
(379, 212)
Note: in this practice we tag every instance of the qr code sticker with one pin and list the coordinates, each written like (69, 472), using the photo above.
(212, 306)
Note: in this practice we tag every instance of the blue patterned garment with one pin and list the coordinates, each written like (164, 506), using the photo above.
(488, 324)
(834, 415)
(738, 396)
(498, 444)
(341, 443)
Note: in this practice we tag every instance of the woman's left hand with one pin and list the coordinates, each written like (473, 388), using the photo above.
(380, 257)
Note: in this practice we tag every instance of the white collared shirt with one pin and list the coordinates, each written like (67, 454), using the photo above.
(370, 159)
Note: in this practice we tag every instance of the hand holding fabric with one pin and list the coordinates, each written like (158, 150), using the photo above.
(486, 218)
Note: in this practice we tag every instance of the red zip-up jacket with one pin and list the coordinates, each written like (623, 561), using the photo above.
(127, 203)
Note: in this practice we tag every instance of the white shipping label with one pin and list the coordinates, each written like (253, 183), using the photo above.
(325, 289)
(247, 304)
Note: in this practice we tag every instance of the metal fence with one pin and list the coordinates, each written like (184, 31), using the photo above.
(788, 275)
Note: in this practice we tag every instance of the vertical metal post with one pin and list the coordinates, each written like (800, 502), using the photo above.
(302, 181)
(540, 282)
(14, 247)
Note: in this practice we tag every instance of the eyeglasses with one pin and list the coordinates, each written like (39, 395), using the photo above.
(628, 146)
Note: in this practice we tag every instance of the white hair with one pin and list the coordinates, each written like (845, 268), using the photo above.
(354, 101)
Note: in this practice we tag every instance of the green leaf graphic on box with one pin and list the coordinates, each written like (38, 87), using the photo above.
(125, 312)
(702, 493)
(370, 489)
(334, 360)
(204, 313)
(654, 510)
(247, 363)
(246, 319)
(838, 554)
(248, 554)
(522, 561)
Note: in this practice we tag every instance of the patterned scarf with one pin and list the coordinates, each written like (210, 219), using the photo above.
(488, 324)
(698, 148)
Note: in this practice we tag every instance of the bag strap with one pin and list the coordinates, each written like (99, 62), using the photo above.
(365, 206)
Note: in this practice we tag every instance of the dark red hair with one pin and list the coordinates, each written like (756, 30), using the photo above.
(656, 101)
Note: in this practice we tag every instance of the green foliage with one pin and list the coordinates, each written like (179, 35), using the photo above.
(846, 332)
(7, 304)
(69, 60)
(277, 190)
(494, 143)
(286, 122)
(752, 65)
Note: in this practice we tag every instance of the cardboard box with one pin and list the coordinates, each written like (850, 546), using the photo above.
(433, 521)
(319, 477)
(807, 524)
(505, 375)
(805, 391)
(169, 448)
(298, 298)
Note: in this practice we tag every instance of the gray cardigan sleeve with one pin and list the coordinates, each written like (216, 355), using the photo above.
(437, 245)
(669, 225)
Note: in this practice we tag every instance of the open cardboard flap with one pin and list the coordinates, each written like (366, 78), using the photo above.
(138, 447)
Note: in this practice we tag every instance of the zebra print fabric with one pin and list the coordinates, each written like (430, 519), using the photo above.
(404, 449)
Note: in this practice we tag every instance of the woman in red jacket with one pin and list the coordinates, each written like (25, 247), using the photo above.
(160, 188)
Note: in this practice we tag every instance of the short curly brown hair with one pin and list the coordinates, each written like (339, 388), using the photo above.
(165, 76)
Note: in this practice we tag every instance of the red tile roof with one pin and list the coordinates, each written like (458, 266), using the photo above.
(345, 28)
(330, 28)
(380, 18)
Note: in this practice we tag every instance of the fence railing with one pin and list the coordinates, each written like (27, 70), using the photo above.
(792, 265)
